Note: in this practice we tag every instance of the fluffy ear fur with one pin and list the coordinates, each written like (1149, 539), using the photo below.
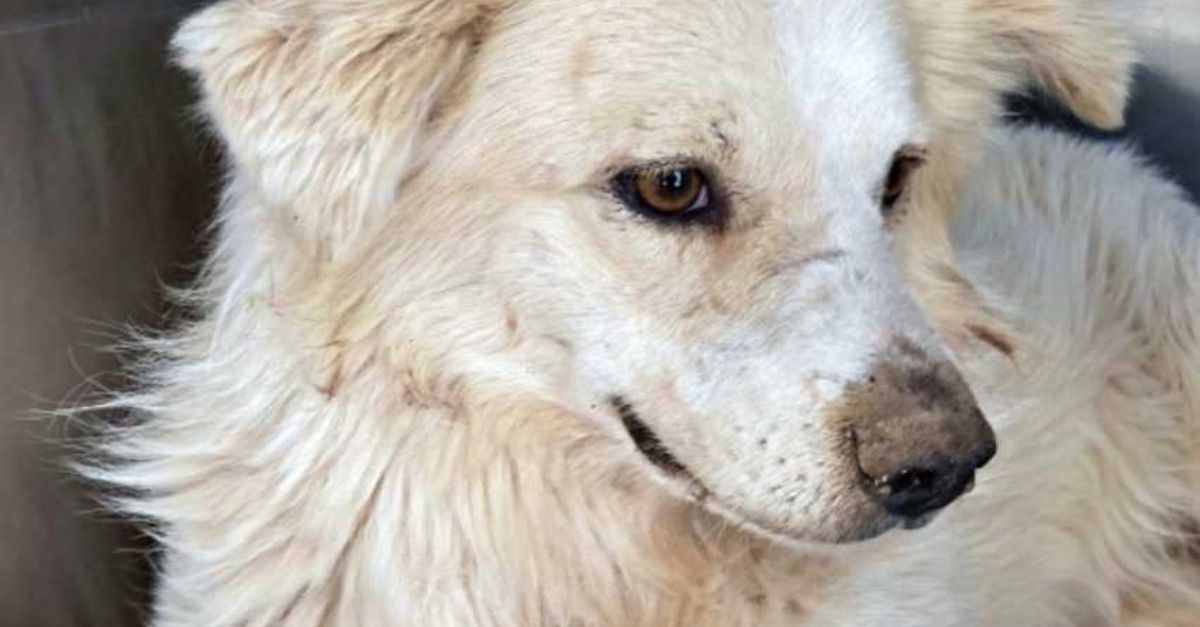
(968, 53)
(1073, 48)
(322, 103)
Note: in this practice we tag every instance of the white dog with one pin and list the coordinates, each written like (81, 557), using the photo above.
(645, 312)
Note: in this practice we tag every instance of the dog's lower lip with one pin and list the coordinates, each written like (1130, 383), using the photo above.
(869, 530)
(879, 528)
(920, 522)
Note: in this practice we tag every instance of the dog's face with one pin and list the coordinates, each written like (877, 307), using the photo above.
(691, 207)
(706, 235)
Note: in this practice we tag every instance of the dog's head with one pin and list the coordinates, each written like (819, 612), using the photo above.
(677, 217)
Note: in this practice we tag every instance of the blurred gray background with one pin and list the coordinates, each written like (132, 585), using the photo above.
(104, 182)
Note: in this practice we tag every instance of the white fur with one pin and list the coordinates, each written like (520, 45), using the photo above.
(1096, 259)
(1086, 515)
(391, 408)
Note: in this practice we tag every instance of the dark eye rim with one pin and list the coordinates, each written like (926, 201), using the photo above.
(623, 185)
(906, 161)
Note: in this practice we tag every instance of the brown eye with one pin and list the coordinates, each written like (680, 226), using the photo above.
(907, 160)
(670, 191)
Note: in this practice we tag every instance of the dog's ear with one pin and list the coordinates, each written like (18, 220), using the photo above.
(1075, 49)
(970, 52)
(322, 103)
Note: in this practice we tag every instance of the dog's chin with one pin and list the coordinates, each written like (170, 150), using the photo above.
(869, 527)
(869, 524)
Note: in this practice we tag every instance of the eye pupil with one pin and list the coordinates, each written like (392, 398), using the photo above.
(669, 191)
(674, 182)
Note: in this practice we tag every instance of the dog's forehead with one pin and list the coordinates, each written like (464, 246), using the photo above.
(847, 70)
(831, 72)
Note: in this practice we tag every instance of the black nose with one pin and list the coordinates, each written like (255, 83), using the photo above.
(918, 435)
(917, 490)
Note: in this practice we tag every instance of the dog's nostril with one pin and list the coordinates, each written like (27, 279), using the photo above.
(911, 480)
(916, 491)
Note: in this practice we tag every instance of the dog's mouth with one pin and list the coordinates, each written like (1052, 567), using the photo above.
(647, 441)
(675, 472)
